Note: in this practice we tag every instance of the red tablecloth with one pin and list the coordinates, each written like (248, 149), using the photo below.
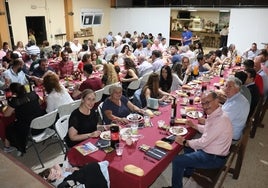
(132, 155)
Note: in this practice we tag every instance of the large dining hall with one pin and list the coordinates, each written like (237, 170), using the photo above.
(137, 94)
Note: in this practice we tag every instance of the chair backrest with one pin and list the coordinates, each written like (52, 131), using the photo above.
(61, 126)
(107, 87)
(66, 109)
(44, 121)
(145, 78)
(100, 112)
(135, 84)
(99, 94)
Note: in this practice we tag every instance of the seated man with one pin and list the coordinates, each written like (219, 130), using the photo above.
(236, 106)
(66, 67)
(211, 149)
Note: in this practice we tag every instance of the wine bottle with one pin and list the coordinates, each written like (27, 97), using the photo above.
(114, 135)
(222, 70)
(174, 108)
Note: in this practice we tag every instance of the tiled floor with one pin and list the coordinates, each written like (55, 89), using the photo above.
(254, 171)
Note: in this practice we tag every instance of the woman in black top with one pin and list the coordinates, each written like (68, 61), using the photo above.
(83, 121)
(26, 107)
(165, 78)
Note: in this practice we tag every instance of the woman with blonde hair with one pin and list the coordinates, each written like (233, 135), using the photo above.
(109, 74)
(56, 93)
(83, 120)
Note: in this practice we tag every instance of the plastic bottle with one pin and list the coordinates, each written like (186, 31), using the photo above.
(114, 135)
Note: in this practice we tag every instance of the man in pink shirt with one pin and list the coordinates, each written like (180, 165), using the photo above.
(211, 149)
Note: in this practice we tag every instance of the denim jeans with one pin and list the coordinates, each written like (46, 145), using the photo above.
(187, 162)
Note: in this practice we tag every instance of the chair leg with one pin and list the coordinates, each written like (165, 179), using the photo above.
(39, 158)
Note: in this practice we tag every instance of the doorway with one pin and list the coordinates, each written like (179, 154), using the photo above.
(38, 25)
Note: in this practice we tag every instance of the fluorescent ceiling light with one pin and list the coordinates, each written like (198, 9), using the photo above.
(192, 10)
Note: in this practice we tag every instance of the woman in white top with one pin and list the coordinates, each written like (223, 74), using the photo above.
(57, 94)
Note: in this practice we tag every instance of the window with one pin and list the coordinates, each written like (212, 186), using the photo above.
(91, 17)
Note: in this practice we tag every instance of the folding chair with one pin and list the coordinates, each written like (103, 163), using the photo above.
(61, 127)
(99, 94)
(134, 85)
(67, 109)
(43, 122)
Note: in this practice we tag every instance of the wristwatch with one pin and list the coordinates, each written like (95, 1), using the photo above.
(184, 142)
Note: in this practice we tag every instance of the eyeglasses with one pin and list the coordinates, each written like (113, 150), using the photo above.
(206, 103)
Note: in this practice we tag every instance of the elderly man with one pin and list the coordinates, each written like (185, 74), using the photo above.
(211, 149)
(157, 60)
(236, 106)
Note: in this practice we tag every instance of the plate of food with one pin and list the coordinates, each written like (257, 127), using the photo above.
(125, 131)
(133, 117)
(178, 130)
(106, 135)
(194, 114)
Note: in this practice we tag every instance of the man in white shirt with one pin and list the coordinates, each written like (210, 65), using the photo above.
(76, 46)
(144, 66)
(15, 73)
(252, 52)
(158, 63)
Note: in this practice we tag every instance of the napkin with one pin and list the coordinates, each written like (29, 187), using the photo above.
(132, 169)
(164, 145)
(102, 143)
(156, 153)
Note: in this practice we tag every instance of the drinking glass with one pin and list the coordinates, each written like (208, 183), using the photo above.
(119, 148)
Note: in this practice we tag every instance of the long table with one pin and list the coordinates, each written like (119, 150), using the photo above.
(132, 155)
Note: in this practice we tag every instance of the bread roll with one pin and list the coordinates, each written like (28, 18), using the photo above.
(149, 112)
(189, 108)
(186, 87)
(132, 169)
(163, 145)
(180, 120)
(197, 99)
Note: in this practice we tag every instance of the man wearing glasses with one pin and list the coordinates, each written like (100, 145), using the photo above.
(210, 150)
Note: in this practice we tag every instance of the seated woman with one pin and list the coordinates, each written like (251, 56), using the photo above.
(117, 107)
(91, 175)
(56, 93)
(83, 121)
(26, 107)
(86, 59)
(91, 82)
(151, 90)
(131, 75)
(165, 81)
(109, 74)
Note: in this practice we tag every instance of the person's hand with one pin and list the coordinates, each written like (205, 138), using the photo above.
(179, 140)
(190, 124)
(201, 121)
(96, 134)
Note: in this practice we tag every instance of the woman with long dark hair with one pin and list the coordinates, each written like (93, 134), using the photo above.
(26, 107)
(165, 81)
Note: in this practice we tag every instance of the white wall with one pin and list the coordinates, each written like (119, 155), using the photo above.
(248, 26)
(147, 20)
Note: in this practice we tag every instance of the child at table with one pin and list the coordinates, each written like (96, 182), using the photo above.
(91, 175)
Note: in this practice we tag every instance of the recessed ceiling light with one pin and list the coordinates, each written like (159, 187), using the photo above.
(225, 10)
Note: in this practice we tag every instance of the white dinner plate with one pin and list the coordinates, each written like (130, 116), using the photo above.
(194, 114)
(178, 130)
(106, 135)
(131, 117)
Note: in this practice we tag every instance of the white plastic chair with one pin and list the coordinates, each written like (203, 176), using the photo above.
(99, 94)
(61, 127)
(67, 109)
(145, 78)
(134, 85)
(100, 112)
(43, 122)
